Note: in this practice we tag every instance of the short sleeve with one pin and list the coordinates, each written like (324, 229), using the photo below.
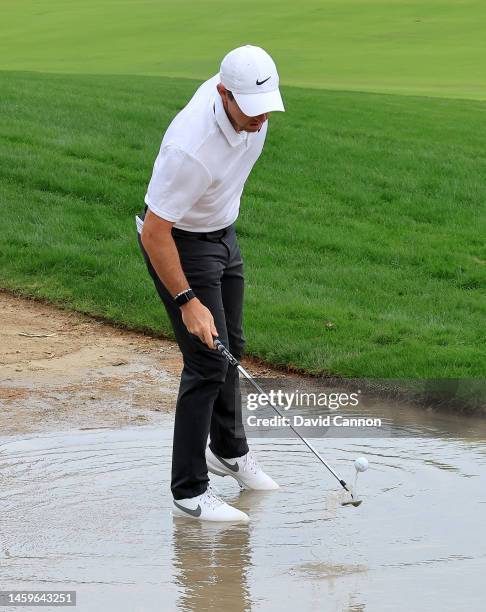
(178, 182)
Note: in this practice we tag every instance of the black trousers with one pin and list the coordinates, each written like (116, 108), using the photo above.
(209, 398)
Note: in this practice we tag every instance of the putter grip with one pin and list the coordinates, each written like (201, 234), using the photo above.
(224, 351)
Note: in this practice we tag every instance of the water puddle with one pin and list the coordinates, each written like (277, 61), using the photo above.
(90, 510)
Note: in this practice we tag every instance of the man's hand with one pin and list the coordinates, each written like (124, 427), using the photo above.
(199, 321)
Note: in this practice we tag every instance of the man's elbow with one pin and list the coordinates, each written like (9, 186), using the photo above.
(154, 231)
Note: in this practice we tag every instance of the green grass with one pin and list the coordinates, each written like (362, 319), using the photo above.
(365, 210)
(432, 47)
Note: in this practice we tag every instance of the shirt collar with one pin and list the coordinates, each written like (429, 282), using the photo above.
(232, 136)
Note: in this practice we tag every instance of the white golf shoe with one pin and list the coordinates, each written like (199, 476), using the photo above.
(244, 469)
(208, 507)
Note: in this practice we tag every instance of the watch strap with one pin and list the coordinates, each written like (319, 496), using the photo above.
(184, 296)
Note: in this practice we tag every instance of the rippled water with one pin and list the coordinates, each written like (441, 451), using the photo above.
(90, 511)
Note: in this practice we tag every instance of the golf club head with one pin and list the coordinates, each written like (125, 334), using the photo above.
(351, 498)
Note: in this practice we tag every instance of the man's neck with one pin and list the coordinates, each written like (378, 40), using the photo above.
(231, 120)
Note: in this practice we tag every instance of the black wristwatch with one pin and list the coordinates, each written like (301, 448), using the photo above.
(184, 296)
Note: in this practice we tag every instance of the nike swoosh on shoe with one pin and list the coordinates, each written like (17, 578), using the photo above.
(196, 512)
(233, 468)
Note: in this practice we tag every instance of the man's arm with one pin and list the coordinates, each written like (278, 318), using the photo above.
(160, 247)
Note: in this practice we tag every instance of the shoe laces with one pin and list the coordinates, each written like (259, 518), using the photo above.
(211, 499)
(250, 463)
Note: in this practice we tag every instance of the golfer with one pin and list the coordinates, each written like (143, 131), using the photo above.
(188, 240)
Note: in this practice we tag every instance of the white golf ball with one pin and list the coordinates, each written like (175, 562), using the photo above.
(361, 464)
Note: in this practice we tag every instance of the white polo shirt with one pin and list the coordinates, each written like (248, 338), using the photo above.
(202, 166)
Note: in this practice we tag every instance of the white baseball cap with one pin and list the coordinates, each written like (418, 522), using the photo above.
(251, 76)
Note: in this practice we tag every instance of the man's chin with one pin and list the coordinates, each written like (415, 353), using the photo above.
(253, 128)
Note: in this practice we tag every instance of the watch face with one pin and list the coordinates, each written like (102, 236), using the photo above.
(184, 297)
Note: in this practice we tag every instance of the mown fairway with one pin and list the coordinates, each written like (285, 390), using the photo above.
(432, 47)
(362, 226)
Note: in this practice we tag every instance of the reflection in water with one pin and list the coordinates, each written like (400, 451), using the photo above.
(211, 562)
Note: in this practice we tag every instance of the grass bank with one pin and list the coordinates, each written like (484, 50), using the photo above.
(362, 226)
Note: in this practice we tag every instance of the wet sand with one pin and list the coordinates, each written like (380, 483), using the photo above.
(85, 443)
(62, 370)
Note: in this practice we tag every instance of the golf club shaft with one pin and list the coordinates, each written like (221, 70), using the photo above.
(233, 361)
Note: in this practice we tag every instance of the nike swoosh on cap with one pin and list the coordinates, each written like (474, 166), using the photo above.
(261, 82)
(233, 468)
(195, 512)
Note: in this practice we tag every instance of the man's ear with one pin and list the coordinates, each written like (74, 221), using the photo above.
(221, 89)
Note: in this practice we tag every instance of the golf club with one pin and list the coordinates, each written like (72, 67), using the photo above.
(233, 361)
